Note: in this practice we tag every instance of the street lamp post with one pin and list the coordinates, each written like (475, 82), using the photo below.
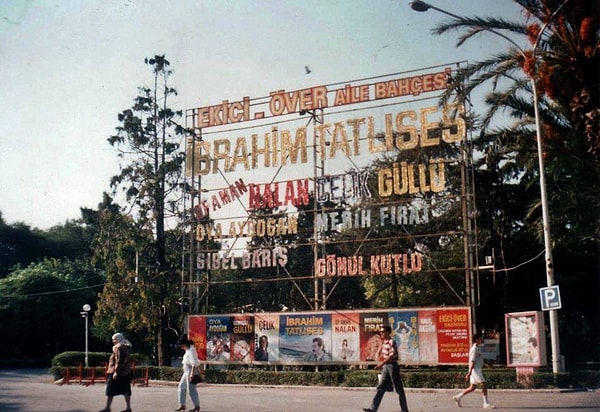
(86, 310)
(422, 6)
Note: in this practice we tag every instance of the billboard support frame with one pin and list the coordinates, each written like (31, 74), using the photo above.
(321, 295)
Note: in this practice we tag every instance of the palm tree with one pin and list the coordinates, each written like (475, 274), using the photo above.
(556, 45)
(564, 60)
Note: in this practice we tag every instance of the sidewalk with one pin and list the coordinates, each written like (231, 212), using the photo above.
(35, 391)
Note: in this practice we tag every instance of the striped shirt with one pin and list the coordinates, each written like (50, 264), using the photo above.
(389, 349)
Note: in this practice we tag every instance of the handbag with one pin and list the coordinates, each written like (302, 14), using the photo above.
(196, 377)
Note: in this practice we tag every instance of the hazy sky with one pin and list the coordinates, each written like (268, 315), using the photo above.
(69, 67)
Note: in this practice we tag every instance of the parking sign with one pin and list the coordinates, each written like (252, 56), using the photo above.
(550, 298)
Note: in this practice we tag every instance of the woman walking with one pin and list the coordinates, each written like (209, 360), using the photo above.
(190, 363)
(118, 381)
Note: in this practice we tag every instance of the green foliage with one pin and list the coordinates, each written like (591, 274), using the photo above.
(412, 378)
(266, 377)
(359, 378)
(438, 378)
(70, 240)
(431, 379)
(124, 305)
(142, 289)
(561, 58)
(114, 249)
(20, 245)
(40, 309)
(73, 358)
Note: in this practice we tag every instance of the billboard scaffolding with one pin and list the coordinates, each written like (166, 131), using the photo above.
(329, 171)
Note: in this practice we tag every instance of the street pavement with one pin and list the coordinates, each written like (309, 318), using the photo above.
(35, 391)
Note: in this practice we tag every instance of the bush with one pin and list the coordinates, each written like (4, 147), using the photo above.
(73, 359)
(547, 379)
(165, 373)
(359, 378)
(584, 379)
(94, 358)
(430, 378)
(271, 377)
(448, 378)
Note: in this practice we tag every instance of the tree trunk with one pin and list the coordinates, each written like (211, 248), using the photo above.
(164, 358)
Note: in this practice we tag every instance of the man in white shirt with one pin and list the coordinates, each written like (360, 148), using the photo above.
(475, 373)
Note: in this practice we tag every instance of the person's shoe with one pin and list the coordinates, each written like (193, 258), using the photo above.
(457, 401)
(489, 406)
(126, 410)
(368, 410)
(197, 409)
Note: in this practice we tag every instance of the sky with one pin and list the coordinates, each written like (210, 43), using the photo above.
(69, 68)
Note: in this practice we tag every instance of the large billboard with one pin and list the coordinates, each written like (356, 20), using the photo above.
(425, 336)
(325, 147)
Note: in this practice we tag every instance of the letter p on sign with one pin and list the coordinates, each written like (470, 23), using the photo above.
(550, 298)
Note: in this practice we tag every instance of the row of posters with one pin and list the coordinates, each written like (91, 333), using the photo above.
(424, 336)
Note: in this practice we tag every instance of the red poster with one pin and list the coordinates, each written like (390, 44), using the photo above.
(242, 344)
(197, 334)
(370, 340)
(453, 335)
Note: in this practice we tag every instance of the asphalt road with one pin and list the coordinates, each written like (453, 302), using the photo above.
(34, 390)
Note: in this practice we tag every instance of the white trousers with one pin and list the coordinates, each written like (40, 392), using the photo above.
(185, 386)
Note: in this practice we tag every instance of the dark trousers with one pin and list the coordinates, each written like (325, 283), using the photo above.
(390, 374)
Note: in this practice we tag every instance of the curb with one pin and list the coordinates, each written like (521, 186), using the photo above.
(371, 388)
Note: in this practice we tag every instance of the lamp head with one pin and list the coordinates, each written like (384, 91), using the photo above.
(418, 5)
(87, 307)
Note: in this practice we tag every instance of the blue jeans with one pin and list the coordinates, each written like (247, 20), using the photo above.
(390, 374)
(185, 386)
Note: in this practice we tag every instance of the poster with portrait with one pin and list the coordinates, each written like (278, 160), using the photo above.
(305, 337)
(218, 338)
(266, 338)
(242, 338)
(431, 336)
(345, 336)
(370, 339)
(404, 332)
(525, 339)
